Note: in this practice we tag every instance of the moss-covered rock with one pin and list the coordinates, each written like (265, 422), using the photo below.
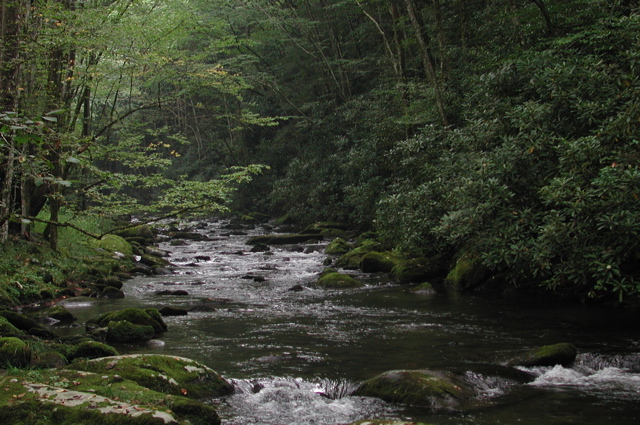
(123, 331)
(467, 273)
(418, 270)
(89, 350)
(143, 231)
(111, 292)
(7, 329)
(148, 317)
(375, 261)
(59, 313)
(336, 280)
(166, 374)
(27, 324)
(153, 261)
(62, 397)
(14, 352)
(288, 239)
(435, 390)
(549, 355)
(351, 260)
(338, 246)
(424, 289)
(112, 244)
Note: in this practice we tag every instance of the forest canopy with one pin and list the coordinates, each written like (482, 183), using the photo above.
(505, 131)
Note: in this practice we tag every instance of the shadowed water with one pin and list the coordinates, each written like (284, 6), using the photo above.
(295, 355)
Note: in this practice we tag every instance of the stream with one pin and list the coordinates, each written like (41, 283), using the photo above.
(295, 356)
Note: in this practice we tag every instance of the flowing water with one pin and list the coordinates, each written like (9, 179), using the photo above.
(295, 354)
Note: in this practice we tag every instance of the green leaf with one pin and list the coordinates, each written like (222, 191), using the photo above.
(73, 160)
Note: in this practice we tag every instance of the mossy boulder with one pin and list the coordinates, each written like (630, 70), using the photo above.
(113, 243)
(111, 292)
(59, 313)
(166, 374)
(7, 329)
(424, 289)
(149, 317)
(375, 261)
(89, 350)
(351, 260)
(144, 232)
(14, 352)
(467, 273)
(549, 355)
(418, 270)
(335, 280)
(434, 390)
(61, 397)
(27, 324)
(123, 331)
(338, 246)
(285, 239)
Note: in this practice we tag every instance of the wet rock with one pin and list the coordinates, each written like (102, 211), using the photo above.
(296, 288)
(7, 329)
(27, 325)
(384, 422)
(177, 242)
(434, 390)
(58, 313)
(153, 261)
(338, 246)
(424, 289)
(374, 261)
(338, 281)
(351, 260)
(123, 331)
(173, 311)
(111, 292)
(294, 238)
(418, 270)
(149, 317)
(189, 236)
(260, 247)
(549, 355)
(178, 292)
(467, 273)
(90, 350)
(203, 257)
(110, 281)
(167, 374)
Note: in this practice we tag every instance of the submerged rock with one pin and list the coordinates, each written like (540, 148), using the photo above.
(167, 374)
(563, 354)
(435, 390)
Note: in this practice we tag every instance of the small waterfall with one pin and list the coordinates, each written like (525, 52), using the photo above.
(284, 401)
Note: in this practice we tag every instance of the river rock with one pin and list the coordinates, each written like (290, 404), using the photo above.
(418, 270)
(374, 261)
(338, 246)
(336, 280)
(549, 355)
(53, 397)
(7, 329)
(149, 317)
(351, 260)
(384, 422)
(434, 390)
(467, 273)
(287, 239)
(111, 292)
(89, 350)
(123, 331)
(173, 311)
(58, 313)
(167, 374)
(27, 325)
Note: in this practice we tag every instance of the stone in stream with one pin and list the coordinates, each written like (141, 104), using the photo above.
(434, 390)
(563, 354)
(178, 292)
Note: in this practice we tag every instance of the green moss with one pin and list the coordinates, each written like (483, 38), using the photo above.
(14, 352)
(113, 243)
(375, 261)
(548, 355)
(89, 350)
(123, 331)
(351, 260)
(434, 390)
(166, 374)
(338, 246)
(468, 272)
(7, 329)
(419, 269)
(58, 312)
(338, 281)
(149, 317)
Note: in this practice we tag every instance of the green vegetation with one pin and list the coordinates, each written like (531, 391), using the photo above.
(501, 130)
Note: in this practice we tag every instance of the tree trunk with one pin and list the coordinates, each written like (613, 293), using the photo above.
(427, 60)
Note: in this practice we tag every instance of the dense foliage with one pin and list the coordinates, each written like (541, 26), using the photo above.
(501, 130)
